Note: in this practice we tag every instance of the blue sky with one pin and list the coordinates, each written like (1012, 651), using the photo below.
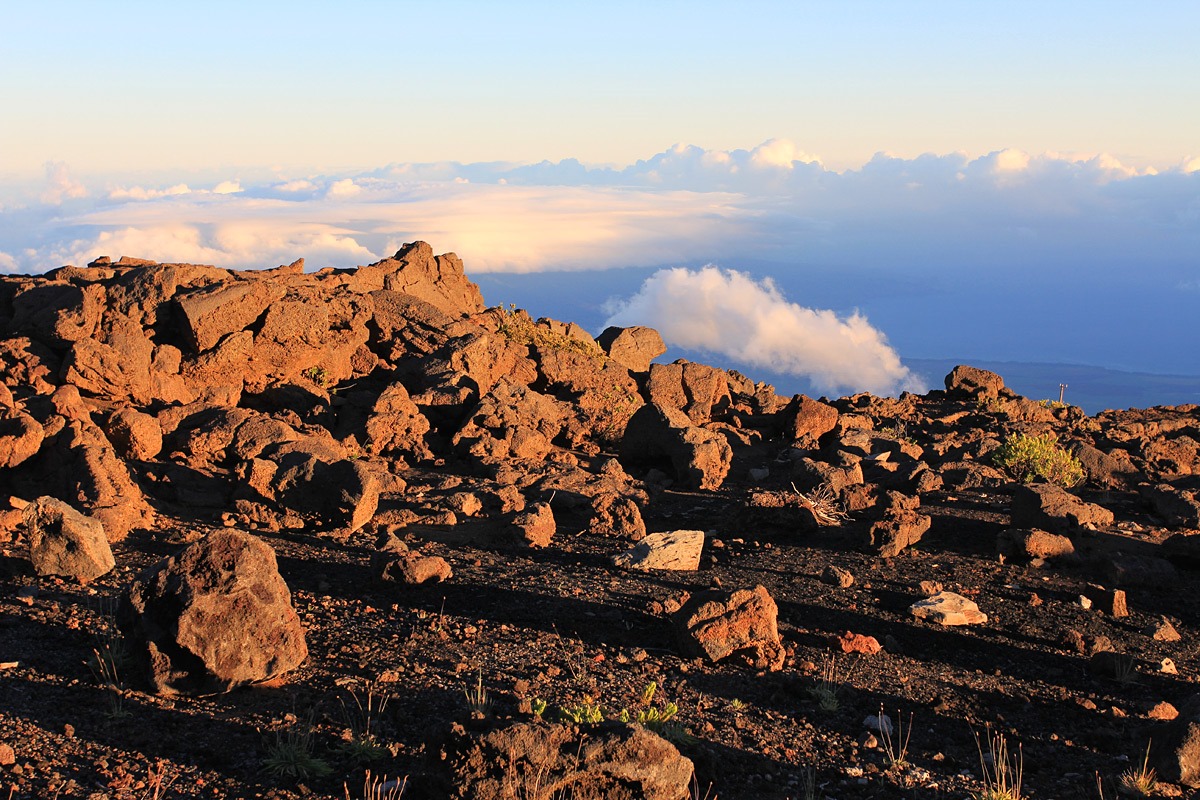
(1001, 181)
(153, 86)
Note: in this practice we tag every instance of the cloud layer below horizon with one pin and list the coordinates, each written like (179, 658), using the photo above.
(950, 224)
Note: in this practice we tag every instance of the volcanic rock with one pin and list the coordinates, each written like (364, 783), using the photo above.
(611, 761)
(698, 458)
(948, 608)
(633, 348)
(1052, 508)
(718, 625)
(669, 550)
(66, 543)
(215, 616)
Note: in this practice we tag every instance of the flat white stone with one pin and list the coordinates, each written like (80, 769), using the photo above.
(948, 608)
(673, 550)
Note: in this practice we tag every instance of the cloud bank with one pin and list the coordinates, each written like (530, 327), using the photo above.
(729, 313)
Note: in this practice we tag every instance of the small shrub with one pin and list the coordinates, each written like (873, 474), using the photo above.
(517, 326)
(478, 700)
(318, 375)
(827, 688)
(1029, 457)
(824, 505)
(360, 743)
(291, 755)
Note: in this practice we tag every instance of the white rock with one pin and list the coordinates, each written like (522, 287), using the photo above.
(673, 550)
(948, 608)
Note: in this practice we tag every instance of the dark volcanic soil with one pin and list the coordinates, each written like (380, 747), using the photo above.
(562, 624)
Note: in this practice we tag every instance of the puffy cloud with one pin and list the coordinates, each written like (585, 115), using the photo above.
(142, 193)
(60, 185)
(227, 187)
(731, 314)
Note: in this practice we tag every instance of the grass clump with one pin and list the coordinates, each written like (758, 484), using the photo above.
(1139, 780)
(360, 740)
(291, 754)
(1001, 771)
(1030, 457)
(825, 692)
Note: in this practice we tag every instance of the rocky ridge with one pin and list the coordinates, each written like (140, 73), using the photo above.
(168, 430)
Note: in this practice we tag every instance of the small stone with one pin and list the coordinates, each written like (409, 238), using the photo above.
(858, 643)
(929, 588)
(7, 756)
(836, 576)
(1163, 631)
(1167, 667)
(1163, 711)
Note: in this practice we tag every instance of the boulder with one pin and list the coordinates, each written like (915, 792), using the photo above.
(633, 348)
(1049, 507)
(971, 382)
(722, 624)
(411, 568)
(65, 543)
(535, 526)
(668, 550)
(134, 435)
(512, 421)
(698, 390)
(438, 280)
(948, 608)
(20, 438)
(806, 420)
(215, 616)
(211, 313)
(1026, 544)
(396, 425)
(614, 514)
(341, 494)
(609, 761)
(656, 434)
(1178, 508)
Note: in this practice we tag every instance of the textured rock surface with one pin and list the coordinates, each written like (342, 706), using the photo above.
(743, 622)
(671, 550)
(64, 542)
(948, 608)
(215, 616)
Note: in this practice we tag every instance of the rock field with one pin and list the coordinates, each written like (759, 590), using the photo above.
(353, 534)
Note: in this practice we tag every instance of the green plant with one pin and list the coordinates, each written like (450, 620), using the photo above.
(1139, 781)
(1028, 457)
(586, 712)
(825, 691)
(359, 742)
(736, 704)
(291, 754)
(1001, 773)
(318, 375)
(478, 701)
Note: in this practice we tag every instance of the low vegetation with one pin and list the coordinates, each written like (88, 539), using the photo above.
(1030, 457)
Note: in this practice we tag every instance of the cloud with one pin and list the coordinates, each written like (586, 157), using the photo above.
(60, 185)
(142, 193)
(227, 187)
(731, 314)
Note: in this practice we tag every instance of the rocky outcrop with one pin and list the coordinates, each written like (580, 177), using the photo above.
(633, 348)
(216, 616)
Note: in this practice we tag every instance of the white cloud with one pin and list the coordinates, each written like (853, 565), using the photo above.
(142, 193)
(60, 185)
(227, 187)
(731, 314)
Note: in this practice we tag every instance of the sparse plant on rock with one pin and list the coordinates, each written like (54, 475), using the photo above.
(895, 748)
(478, 701)
(1029, 457)
(828, 686)
(519, 328)
(380, 788)
(318, 375)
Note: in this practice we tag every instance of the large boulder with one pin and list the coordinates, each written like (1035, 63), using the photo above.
(65, 543)
(972, 382)
(744, 623)
(512, 421)
(806, 420)
(633, 348)
(211, 313)
(667, 550)
(698, 390)
(438, 280)
(213, 617)
(656, 434)
(610, 761)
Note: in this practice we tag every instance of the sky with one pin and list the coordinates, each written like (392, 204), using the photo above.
(1004, 181)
